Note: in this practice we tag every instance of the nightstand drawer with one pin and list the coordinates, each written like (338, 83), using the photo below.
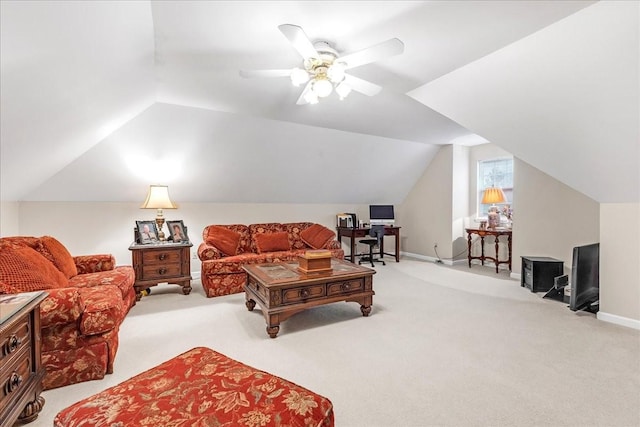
(161, 257)
(15, 376)
(15, 339)
(159, 271)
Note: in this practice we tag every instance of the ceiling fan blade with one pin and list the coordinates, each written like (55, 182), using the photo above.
(301, 100)
(362, 86)
(374, 53)
(299, 40)
(247, 74)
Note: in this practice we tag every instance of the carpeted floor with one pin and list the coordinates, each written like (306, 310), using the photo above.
(443, 347)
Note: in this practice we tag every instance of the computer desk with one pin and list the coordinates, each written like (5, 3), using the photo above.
(354, 233)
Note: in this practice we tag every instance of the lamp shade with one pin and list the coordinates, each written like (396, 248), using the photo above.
(493, 195)
(158, 198)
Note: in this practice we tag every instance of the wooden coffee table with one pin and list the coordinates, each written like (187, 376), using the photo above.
(282, 290)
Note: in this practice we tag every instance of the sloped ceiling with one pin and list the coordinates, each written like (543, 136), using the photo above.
(87, 86)
(565, 99)
(71, 73)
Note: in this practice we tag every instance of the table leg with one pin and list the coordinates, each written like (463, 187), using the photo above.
(353, 248)
(397, 236)
(382, 247)
(469, 248)
(509, 244)
(497, 247)
(482, 249)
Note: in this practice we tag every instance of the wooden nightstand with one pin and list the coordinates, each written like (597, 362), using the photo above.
(21, 370)
(161, 263)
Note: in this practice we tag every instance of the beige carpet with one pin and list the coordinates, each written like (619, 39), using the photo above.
(442, 347)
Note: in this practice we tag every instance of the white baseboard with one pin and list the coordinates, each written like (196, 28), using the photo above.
(517, 276)
(423, 257)
(618, 320)
(432, 259)
(195, 275)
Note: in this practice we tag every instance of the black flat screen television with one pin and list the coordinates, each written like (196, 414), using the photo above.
(381, 212)
(585, 278)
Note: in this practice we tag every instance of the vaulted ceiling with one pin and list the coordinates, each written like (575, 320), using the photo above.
(100, 99)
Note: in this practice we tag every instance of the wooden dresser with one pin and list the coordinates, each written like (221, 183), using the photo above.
(21, 370)
(162, 263)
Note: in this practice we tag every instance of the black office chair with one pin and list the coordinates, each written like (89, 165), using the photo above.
(376, 231)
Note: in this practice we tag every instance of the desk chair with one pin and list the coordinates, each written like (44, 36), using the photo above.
(376, 231)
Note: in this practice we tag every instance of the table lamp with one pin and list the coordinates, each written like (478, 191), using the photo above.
(493, 195)
(158, 198)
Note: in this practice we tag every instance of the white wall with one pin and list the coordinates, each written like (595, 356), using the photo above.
(425, 214)
(460, 201)
(619, 263)
(102, 227)
(550, 217)
(9, 218)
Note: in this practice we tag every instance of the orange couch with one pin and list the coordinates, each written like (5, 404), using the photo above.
(225, 248)
(88, 299)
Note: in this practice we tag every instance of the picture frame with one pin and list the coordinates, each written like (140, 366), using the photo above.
(177, 231)
(147, 232)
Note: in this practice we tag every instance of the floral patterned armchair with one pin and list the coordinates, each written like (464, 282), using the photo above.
(88, 298)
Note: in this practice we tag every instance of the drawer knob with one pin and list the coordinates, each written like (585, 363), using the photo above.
(304, 293)
(162, 271)
(14, 382)
(13, 343)
(345, 287)
(162, 257)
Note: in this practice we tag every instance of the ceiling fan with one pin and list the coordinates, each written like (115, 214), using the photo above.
(323, 69)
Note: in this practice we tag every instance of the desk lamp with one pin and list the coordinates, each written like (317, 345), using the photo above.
(158, 198)
(493, 195)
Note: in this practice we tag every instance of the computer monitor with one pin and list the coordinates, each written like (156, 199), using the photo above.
(381, 215)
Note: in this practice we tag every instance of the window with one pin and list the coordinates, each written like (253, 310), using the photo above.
(497, 173)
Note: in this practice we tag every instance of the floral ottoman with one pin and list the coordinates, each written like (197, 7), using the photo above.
(201, 388)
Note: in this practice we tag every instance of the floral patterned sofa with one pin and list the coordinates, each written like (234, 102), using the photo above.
(225, 248)
(88, 299)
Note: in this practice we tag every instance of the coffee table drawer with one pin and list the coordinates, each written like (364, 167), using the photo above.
(345, 287)
(303, 293)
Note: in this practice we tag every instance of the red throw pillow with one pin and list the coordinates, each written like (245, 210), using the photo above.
(29, 271)
(272, 242)
(60, 256)
(225, 240)
(317, 236)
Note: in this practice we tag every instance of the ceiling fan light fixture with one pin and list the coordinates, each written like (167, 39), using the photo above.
(336, 72)
(299, 76)
(343, 90)
(322, 87)
(311, 97)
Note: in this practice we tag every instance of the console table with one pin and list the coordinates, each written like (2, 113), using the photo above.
(21, 370)
(496, 232)
(354, 233)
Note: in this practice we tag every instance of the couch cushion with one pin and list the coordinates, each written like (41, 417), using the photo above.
(62, 306)
(264, 228)
(55, 252)
(122, 277)
(27, 270)
(294, 229)
(272, 242)
(317, 236)
(223, 239)
(103, 309)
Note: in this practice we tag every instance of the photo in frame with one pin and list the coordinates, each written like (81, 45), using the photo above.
(177, 231)
(147, 232)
